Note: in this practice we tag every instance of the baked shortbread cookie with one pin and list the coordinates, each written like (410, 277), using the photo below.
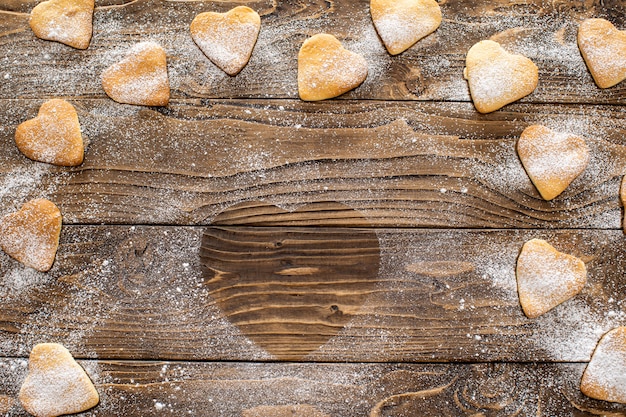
(31, 235)
(551, 159)
(401, 23)
(53, 136)
(65, 21)
(326, 69)
(496, 77)
(547, 277)
(603, 48)
(56, 385)
(140, 78)
(605, 376)
(227, 39)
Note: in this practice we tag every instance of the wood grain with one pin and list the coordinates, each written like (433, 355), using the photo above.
(316, 390)
(431, 70)
(291, 293)
(132, 292)
(398, 164)
(243, 253)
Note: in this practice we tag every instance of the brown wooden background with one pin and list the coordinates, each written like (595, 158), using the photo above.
(242, 253)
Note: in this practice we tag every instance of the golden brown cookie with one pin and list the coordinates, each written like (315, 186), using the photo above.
(56, 385)
(65, 21)
(53, 136)
(496, 77)
(552, 159)
(401, 23)
(605, 376)
(547, 277)
(603, 48)
(140, 78)
(31, 235)
(326, 69)
(227, 39)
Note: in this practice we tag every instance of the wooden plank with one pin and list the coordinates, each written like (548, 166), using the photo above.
(119, 292)
(431, 70)
(321, 390)
(255, 162)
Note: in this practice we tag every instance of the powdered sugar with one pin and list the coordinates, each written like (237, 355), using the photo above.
(56, 384)
(140, 78)
(553, 155)
(546, 278)
(605, 376)
(406, 23)
(228, 46)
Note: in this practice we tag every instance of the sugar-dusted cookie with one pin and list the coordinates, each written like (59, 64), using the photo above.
(53, 136)
(547, 277)
(551, 159)
(605, 376)
(326, 69)
(140, 78)
(401, 23)
(497, 77)
(56, 385)
(65, 21)
(227, 39)
(603, 48)
(31, 235)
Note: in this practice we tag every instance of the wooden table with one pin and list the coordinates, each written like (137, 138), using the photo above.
(243, 253)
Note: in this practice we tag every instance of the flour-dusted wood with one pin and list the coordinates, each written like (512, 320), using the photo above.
(359, 390)
(131, 292)
(398, 164)
(431, 70)
(246, 238)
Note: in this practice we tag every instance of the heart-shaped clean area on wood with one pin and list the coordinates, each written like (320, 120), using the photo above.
(326, 69)
(552, 159)
(31, 235)
(605, 375)
(53, 136)
(140, 77)
(603, 48)
(227, 39)
(401, 23)
(497, 77)
(56, 385)
(290, 289)
(65, 21)
(547, 277)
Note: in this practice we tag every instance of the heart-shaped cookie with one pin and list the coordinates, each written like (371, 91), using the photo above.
(605, 376)
(603, 48)
(140, 78)
(326, 69)
(65, 21)
(290, 289)
(551, 159)
(53, 136)
(227, 39)
(31, 235)
(497, 77)
(56, 385)
(401, 23)
(547, 277)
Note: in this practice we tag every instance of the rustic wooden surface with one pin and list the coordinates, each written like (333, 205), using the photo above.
(242, 253)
